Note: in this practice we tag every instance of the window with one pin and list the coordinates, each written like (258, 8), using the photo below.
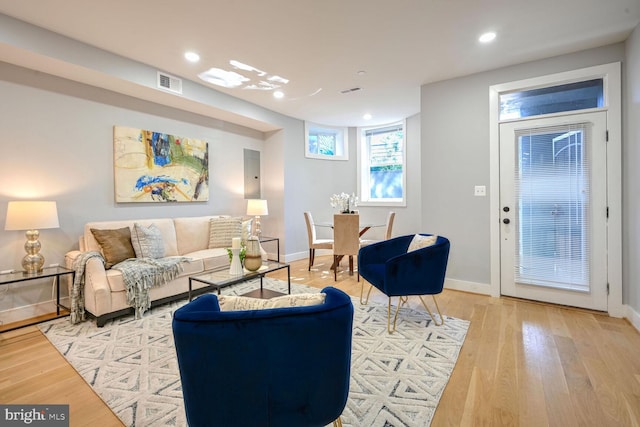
(381, 164)
(326, 142)
(552, 99)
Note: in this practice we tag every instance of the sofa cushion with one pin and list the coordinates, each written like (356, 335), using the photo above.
(192, 233)
(236, 303)
(89, 243)
(222, 230)
(147, 241)
(211, 258)
(115, 245)
(419, 241)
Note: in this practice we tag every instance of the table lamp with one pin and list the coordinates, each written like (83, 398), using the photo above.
(31, 216)
(257, 207)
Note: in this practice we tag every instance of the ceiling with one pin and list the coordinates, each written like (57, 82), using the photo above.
(321, 46)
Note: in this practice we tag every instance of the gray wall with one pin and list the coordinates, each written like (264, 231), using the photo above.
(631, 174)
(455, 155)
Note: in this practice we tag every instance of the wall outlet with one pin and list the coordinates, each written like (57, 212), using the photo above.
(480, 190)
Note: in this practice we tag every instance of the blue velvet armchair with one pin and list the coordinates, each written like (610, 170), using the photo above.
(388, 267)
(270, 367)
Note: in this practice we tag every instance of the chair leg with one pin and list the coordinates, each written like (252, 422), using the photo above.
(338, 422)
(335, 270)
(312, 253)
(366, 301)
(401, 301)
(435, 322)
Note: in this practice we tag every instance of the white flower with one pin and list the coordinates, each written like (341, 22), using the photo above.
(343, 202)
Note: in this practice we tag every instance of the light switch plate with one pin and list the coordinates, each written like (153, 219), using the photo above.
(480, 190)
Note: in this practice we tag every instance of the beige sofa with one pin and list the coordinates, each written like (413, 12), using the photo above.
(105, 295)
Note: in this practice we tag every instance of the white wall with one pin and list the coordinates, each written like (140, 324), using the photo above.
(58, 145)
(455, 158)
(631, 177)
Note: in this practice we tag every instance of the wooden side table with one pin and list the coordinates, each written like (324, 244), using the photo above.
(18, 277)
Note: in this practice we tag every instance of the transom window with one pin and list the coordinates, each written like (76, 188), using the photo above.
(381, 165)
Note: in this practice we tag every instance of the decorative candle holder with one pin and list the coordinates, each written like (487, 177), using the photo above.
(236, 265)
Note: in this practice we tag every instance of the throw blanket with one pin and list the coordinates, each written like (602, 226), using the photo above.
(77, 289)
(140, 274)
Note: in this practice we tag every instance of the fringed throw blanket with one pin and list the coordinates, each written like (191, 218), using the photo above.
(77, 289)
(141, 274)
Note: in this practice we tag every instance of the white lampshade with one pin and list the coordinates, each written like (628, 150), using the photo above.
(31, 215)
(257, 207)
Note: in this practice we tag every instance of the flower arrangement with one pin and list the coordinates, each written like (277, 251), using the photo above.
(343, 202)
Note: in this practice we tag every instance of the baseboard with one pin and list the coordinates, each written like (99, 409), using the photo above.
(633, 317)
(25, 312)
(473, 287)
(305, 255)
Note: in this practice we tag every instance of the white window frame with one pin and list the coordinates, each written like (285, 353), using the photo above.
(342, 141)
(363, 168)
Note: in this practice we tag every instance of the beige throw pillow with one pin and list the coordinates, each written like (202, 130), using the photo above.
(147, 241)
(115, 244)
(419, 241)
(236, 303)
(222, 230)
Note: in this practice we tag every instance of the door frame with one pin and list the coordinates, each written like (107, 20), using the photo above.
(613, 106)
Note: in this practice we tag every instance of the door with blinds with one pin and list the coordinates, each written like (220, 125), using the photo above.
(553, 205)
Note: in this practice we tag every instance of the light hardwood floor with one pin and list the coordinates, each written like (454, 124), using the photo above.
(522, 364)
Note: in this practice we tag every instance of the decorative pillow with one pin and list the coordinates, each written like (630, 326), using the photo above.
(222, 230)
(246, 229)
(147, 241)
(419, 242)
(236, 303)
(115, 244)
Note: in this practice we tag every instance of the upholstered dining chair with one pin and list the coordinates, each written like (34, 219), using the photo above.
(287, 366)
(346, 240)
(405, 266)
(387, 232)
(314, 242)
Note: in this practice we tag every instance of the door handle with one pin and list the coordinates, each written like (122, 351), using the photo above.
(506, 220)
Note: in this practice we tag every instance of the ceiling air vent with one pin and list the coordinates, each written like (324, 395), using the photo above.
(353, 89)
(170, 83)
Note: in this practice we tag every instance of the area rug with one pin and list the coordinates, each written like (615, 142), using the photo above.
(396, 380)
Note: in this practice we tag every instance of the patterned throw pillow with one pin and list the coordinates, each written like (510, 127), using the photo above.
(222, 230)
(246, 229)
(237, 303)
(115, 244)
(419, 241)
(147, 241)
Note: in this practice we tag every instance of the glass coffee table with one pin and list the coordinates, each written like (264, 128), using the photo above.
(218, 279)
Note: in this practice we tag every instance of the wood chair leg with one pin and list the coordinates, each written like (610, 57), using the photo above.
(335, 270)
(312, 253)
(338, 422)
(435, 322)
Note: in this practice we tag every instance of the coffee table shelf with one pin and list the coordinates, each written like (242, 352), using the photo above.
(218, 279)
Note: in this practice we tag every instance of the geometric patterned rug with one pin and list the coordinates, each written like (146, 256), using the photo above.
(396, 380)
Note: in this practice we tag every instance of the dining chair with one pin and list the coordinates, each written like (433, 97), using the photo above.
(314, 242)
(346, 240)
(387, 233)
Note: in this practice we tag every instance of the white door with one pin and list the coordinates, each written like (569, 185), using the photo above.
(553, 205)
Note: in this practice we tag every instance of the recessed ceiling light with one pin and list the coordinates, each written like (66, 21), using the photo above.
(192, 57)
(278, 94)
(487, 37)
(367, 116)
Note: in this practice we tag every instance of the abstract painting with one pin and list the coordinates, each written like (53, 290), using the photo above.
(158, 167)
